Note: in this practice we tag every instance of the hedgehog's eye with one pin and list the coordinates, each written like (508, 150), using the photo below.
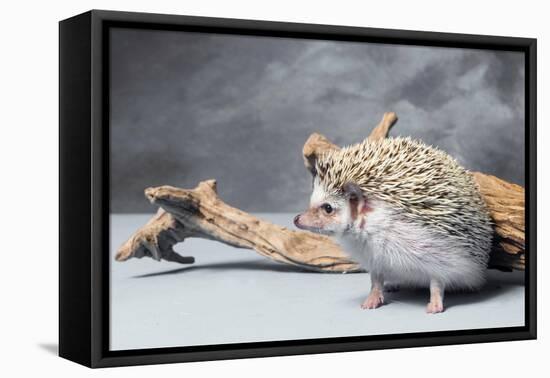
(327, 208)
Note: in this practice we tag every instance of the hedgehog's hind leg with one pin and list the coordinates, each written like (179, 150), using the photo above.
(376, 295)
(437, 289)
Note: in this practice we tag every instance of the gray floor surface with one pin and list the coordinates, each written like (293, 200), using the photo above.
(233, 295)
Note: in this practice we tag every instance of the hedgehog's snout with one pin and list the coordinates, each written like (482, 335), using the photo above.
(302, 223)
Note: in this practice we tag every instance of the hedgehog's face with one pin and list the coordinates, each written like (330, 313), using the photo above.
(330, 212)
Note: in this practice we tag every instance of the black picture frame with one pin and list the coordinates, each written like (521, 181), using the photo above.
(84, 188)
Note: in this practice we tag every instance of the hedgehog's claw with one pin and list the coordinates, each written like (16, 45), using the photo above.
(374, 300)
(435, 307)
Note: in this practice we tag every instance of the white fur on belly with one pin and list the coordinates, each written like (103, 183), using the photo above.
(410, 254)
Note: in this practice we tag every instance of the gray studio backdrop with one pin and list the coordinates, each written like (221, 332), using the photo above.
(187, 107)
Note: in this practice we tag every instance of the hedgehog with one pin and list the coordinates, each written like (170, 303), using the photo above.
(408, 213)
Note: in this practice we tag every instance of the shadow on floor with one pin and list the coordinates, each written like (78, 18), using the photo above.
(51, 348)
(239, 265)
(497, 284)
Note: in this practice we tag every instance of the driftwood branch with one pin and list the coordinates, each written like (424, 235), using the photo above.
(156, 239)
(201, 213)
(506, 203)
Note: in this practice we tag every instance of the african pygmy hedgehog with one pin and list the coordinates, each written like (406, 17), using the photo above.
(407, 212)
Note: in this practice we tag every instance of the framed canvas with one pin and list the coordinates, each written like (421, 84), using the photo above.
(232, 188)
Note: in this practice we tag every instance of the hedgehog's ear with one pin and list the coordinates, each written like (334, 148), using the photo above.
(356, 199)
(352, 191)
(310, 163)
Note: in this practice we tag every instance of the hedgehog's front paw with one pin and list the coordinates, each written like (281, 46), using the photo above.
(435, 307)
(374, 300)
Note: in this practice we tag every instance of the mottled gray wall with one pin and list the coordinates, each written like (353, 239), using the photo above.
(188, 107)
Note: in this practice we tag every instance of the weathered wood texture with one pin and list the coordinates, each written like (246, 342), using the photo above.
(506, 203)
(201, 213)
